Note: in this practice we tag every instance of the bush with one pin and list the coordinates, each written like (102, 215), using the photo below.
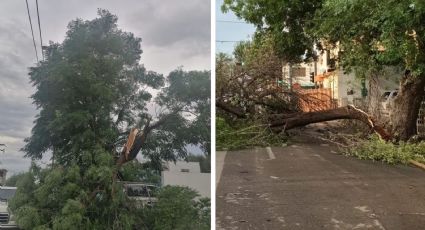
(390, 153)
(178, 208)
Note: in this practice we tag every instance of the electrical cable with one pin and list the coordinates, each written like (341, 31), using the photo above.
(32, 31)
(39, 29)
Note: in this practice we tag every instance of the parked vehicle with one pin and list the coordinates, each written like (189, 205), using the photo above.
(387, 100)
(6, 217)
(143, 194)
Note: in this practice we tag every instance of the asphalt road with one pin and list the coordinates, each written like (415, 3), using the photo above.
(310, 186)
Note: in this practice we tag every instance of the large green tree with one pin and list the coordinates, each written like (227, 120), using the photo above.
(370, 34)
(91, 90)
(375, 34)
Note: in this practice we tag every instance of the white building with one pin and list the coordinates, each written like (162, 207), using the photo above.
(187, 174)
(345, 88)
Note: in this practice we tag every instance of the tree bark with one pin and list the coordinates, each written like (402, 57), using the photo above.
(374, 97)
(348, 112)
(406, 106)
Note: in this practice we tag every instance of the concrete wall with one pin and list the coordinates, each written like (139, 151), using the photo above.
(187, 174)
(348, 88)
(197, 181)
(193, 167)
(388, 81)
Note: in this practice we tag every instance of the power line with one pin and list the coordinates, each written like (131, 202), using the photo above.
(39, 29)
(301, 20)
(228, 21)
(32, 31)
(228, 41)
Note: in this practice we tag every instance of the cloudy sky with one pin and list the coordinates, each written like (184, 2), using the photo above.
(174, 33)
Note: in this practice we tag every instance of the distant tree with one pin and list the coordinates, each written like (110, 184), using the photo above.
(90, 92)
(11, 181)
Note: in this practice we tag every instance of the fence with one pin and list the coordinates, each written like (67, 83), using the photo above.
(315, 99)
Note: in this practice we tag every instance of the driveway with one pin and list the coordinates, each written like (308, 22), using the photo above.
(310, 186)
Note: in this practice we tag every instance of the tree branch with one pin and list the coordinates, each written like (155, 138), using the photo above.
(140, 139)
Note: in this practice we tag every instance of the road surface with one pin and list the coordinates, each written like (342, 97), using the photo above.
(310, 186)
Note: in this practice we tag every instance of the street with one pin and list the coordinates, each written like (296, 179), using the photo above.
(309, 186)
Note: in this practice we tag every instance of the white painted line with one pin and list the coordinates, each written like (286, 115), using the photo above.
(270, 152)
(219, 156)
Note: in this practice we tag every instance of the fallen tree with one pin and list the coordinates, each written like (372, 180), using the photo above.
(285, 122)
(239, 113)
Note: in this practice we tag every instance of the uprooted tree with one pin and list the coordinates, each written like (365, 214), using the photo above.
(371, 36)
(94, 98)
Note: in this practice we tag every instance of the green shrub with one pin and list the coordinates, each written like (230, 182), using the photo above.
(390, 153)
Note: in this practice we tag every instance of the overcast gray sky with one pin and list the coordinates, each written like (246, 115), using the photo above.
(174, 33)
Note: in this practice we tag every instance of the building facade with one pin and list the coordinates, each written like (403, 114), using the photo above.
(187, 174)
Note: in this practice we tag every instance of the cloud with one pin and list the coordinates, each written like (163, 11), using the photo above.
(173, 22)
(16, 110)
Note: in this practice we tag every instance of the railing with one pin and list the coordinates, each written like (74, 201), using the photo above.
(315, 99)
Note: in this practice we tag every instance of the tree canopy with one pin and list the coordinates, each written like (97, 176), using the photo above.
(285, 20)
(375, 34)
(88, 87)
(390, 31)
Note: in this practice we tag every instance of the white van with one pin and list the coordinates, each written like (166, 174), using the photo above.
(6, 218)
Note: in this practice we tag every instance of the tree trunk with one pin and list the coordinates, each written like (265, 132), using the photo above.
(231, 109)
(138, 143)
(348, 112)
(406, 106)
(374, 97)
